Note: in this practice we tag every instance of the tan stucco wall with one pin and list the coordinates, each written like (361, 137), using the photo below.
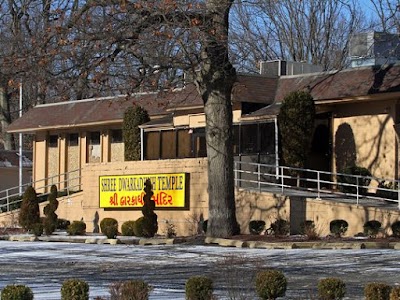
(198, 196)
(117, 152)
(370, 129)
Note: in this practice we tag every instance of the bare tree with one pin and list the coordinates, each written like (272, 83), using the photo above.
(310, 30)
(387, 15)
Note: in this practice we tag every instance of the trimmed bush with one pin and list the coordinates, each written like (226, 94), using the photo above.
(395, 293)
(363, 183)
(16, 292)
(390, 192)
(74, 289)
(308, 229)
(37, 229)
(377, 291)
(396, 229)
(63, 224)
(77, 228)
(127, 228)
(371, 228)
(150, 224)
(280, 227)
(29, 213)
(130, 290)
(331, 289)
(138, 227)
(199, 288)
(109, 227)
(50, 222)
(270, 284)
(256, 226)
(338, 227)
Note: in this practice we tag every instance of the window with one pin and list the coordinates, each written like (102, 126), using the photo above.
(73, 139)
(152, 144)
(53, 141)
(168, 144)
(116, 136)
(94, 138)
(184, 143)
(94, 147)
(267, 138)
(249, 138)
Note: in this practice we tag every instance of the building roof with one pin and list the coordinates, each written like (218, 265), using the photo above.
(325, 87)
(107, 110)
(353, 84)
(10, 158)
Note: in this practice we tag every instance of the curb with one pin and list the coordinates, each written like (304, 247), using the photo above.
(207, 241)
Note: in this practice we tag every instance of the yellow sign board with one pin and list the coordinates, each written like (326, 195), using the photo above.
(125, 191)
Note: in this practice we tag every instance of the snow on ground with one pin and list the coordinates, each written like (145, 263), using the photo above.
(43, 266)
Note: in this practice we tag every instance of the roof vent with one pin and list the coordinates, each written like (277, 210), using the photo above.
(276, 68)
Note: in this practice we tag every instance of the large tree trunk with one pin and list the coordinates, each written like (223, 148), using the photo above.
(215, 82)
(5, 120)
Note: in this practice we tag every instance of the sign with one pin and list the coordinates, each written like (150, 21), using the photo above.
(126, 191)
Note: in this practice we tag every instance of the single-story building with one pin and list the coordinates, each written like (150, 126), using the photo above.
(358, 118)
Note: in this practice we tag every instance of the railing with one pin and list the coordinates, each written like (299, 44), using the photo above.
(66, 183)
(286, 180)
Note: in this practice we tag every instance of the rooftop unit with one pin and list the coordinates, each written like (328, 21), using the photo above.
(276, 68)
(374, 48)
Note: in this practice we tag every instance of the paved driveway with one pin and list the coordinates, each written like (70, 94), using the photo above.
(44, 266)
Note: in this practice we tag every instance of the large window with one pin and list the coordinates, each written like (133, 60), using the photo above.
(184, 143)
(152, 145)
(168, 144)
(249, 138)
(94, 147)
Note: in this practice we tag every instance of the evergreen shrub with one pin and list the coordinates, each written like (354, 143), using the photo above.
(256, 226)
(138, 227)
(127, 228)
(199, 288)
(62, 224)
(270, 284)
(37, 229)
(390, 190)
(371, 228)
(338, 227)
(280, 227)
(16, 292)
(50, 222)
(77, 228)
(395, 293)
(29, 213)
(331, 289)
(351, 181)
(150, 224)
(396, 229)
(377, 291)
(109, 227)
(74, 289)
(308, 229)
(130, 290)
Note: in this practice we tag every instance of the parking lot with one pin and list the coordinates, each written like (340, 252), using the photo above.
(43, 266)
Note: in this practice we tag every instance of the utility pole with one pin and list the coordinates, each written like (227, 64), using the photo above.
(20, 140)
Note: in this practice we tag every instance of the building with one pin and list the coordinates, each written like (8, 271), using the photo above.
(358, 118)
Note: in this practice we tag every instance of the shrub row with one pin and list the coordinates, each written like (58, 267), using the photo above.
(269, 284)
(371, 228)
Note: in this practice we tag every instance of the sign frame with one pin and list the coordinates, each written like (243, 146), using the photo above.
(186, 193)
